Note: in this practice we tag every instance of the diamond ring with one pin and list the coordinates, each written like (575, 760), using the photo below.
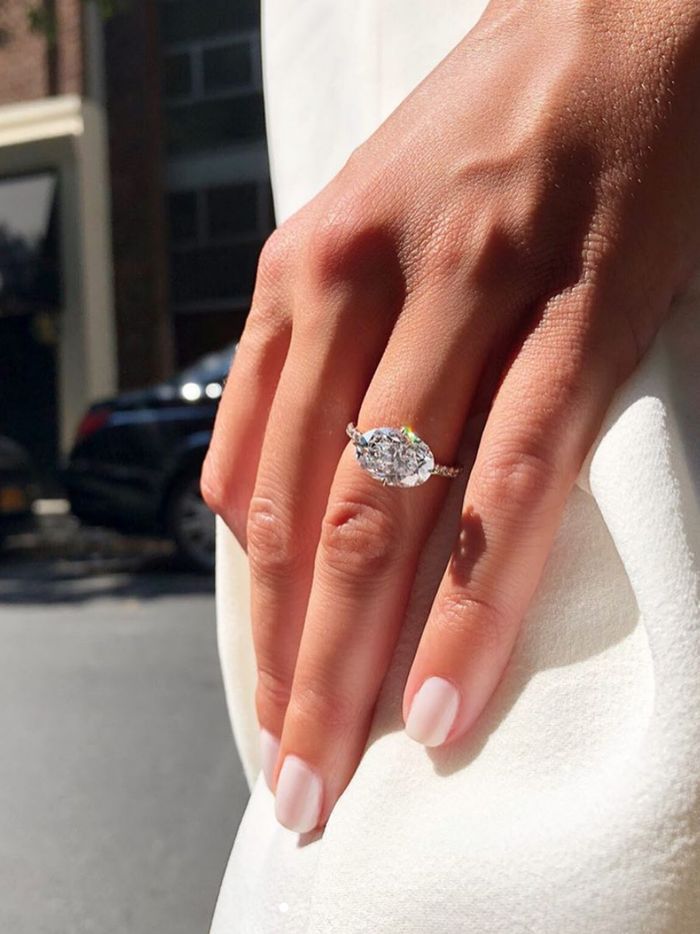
(396, 456)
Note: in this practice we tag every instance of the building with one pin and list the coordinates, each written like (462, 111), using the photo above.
(134, 198)
(219, 199)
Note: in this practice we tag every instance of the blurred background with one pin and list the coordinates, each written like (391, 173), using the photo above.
(134, 199)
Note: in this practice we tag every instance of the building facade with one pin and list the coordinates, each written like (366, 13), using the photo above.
(134, 198)
(216, 168)
(57, 343)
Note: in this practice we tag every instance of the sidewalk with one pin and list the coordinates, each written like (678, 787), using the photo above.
(69, 548)
(120, 788)
(63, 561)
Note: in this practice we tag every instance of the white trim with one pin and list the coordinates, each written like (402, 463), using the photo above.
(51, 118)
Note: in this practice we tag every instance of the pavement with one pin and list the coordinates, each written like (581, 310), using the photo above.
(120, 789)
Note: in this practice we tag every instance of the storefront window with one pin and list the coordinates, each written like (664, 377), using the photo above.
(30, 299)
(29, 260)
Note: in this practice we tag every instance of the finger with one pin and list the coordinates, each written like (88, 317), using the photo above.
(322, 384)
(371, 539)
(544, 418)
(230, 467)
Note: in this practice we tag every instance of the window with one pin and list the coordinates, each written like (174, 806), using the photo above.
(232, 210)
(186, 20)
(29, 244)
(215, 238)
(227, 66)
(219, 206)
(177, 75)
(215, 123)
(214, 274)
(182, 216)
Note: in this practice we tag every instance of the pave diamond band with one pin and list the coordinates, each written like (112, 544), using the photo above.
(396, 456)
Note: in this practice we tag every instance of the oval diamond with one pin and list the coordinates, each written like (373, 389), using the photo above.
(395, 456)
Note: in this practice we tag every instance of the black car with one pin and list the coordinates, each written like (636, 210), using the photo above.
(136, 460)
(18, 488)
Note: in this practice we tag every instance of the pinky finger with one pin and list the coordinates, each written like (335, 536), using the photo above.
(544, 418)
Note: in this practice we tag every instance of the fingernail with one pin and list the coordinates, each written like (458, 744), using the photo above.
(298, 797)
(433, 712)
(269, 750)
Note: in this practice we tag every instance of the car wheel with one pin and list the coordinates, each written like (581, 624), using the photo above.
(191, 523)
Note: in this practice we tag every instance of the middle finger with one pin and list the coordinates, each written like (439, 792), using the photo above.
(323, 380)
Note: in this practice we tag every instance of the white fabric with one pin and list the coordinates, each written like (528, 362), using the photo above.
(575, 807)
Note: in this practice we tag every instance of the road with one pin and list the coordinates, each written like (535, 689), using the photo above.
(120, 790)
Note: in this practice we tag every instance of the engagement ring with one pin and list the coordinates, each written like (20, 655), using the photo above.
(396, 456)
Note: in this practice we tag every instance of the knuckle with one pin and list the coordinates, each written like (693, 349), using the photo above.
(272, 551)
(473, 618)
(315, 700)
(503, 256)
(360, 540)
(275, 256)
(221, 494)
(268, 318)
(355, 161)
(342, 243)
(266, 326)
(273, 690)
(329, 245)
(515, 476)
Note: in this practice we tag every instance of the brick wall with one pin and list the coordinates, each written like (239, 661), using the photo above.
(69, 59)
(31, 68)
(23, 58)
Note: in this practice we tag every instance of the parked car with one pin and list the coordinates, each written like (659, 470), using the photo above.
(136, 460)
(18, 488)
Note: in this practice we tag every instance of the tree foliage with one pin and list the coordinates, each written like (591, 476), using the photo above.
(41, 15)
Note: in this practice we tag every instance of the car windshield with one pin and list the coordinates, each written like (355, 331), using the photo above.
(211, 368)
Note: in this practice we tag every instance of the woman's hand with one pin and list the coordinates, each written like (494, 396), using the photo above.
(510, 238)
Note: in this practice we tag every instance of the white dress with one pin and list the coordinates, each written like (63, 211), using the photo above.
(575, 807)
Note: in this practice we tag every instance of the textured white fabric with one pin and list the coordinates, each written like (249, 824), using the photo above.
(575, 806)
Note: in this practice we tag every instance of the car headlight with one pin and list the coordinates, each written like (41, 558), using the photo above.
(191, 392)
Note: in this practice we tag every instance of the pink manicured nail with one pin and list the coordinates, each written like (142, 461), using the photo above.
(298, 797)
(433, 712)
(269, 750)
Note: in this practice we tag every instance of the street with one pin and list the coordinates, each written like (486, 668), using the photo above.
(120, 790)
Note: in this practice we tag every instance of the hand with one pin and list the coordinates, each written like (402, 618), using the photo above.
(510, 238)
